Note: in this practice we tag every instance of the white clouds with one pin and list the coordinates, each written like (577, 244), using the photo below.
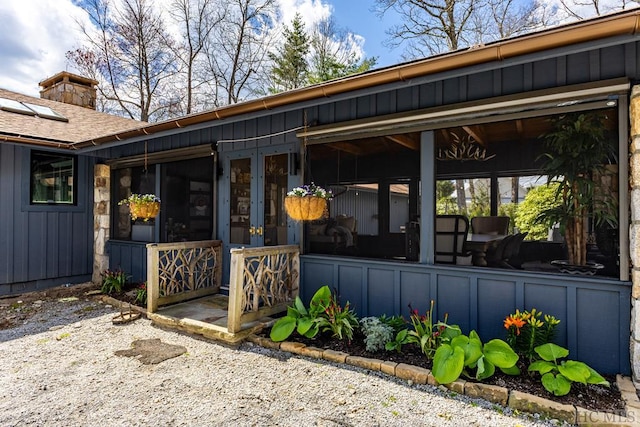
(36, 34)
(311, 11)
(34, 40)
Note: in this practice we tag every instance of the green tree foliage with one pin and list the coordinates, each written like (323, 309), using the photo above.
(334, 53)
(510, 210)
(290, 67)
(538, 199)
(445, 203)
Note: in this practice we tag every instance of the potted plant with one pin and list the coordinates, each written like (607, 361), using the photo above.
(144, 206)
(577, 149)
(307, 203)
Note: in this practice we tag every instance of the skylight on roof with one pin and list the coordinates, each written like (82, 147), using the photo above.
(46, 112)
(15, 107)
(30, 109)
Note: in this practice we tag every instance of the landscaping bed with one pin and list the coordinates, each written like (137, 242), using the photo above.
(592, 397)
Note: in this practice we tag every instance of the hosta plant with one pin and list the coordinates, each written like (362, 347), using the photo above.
(305, 321)
(401, 338)
(557, 376)
(466, 355)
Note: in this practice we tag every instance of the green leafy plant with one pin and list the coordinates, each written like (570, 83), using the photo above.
(462, 354)
(376, 333)
(557, 377)
(305, 321)
(398, 323)
(340, 321)
(527, 330)
(425, 333)
(141, 293)
(113, 281)
(401, 338)
(578, 146)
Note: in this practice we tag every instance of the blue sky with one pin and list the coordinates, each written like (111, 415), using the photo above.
(37, 33)
(357, 16)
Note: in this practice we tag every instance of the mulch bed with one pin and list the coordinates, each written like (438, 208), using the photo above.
(592, 397)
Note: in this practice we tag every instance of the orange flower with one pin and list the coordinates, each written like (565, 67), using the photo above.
(514, 321)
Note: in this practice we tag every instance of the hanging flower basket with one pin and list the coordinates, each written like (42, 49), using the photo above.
(143, 206)
(307, 203)
(305, 208)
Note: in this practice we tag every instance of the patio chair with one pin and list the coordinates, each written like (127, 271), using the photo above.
(490, 225)
(505, 253)
(451, 234)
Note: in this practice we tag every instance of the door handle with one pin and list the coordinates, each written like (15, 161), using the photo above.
(259, 231)
(252, 230)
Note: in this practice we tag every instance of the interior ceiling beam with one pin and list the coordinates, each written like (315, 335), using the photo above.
(520, 128)
(476, 133)
(405, 141)
(348, 147)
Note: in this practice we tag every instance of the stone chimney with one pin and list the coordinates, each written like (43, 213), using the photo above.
(70, 89)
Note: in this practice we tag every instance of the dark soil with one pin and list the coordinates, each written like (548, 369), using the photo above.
(592, 397)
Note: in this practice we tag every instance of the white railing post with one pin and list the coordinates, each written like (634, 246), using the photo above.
(236, 291)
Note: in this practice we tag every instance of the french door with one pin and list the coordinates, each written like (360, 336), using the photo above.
(254, 185)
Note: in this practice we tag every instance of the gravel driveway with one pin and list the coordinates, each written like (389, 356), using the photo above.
(59, 368)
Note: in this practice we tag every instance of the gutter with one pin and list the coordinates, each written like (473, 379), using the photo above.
(624, 23)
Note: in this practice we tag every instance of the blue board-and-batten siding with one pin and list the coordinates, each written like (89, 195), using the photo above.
(130, 257)
(42, 246)
(594, 312)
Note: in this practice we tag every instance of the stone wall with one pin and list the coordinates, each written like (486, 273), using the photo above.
(101, 220)
(634, 233)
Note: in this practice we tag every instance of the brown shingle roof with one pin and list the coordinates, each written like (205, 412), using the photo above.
(84, 124)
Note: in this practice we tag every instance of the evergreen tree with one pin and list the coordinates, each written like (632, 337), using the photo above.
(290, 67)
(333, 53)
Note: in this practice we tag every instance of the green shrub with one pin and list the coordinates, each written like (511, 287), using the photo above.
(398, 323)
(528, 215)
(376, 333)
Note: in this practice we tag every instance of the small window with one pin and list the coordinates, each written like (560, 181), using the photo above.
(53, 178)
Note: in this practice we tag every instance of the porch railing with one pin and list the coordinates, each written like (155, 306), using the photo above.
(263, 281)
(182, 271)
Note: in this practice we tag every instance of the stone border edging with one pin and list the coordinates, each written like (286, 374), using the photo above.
(495, 394)
(120, 304)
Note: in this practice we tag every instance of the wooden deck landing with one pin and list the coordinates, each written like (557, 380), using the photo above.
(206, 316)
